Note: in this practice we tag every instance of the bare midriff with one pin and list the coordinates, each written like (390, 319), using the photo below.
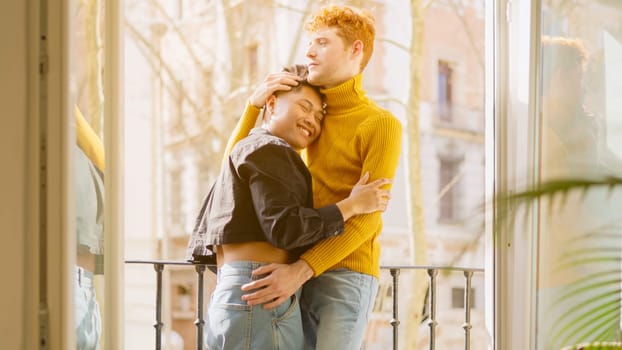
(85, 259)
(251, 251)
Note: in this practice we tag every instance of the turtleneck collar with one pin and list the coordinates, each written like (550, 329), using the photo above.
(345, 96)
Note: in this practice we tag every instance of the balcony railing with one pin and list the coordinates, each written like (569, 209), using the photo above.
(432, 272)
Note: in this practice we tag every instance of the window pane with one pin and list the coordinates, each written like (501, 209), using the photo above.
(580, 118)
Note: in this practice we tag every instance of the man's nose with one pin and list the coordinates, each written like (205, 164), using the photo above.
(310, 122)
(310, 52)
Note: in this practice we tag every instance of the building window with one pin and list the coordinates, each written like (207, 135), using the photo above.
(448, 190)
(457, 298)
(445, 93)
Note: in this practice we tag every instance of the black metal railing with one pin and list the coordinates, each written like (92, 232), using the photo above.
(432, 272)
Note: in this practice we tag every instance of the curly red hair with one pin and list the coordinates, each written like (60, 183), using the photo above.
(352, 25)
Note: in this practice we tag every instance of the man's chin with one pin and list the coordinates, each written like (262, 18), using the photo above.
(314, 79)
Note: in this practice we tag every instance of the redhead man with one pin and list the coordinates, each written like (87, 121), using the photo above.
(340, 274)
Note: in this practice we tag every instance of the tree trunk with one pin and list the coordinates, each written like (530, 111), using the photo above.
(416, 296)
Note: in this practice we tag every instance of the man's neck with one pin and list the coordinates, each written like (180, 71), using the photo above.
(333, 84)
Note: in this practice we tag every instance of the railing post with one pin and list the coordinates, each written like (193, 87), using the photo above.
(200, 322)
(395, 322)
(467, 313)
(158, 324)
(432, 322)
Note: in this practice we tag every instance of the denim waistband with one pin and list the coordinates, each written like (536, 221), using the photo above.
(84, 278)
(237, 268)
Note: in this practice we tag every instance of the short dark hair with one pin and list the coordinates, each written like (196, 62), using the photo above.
(303, 72)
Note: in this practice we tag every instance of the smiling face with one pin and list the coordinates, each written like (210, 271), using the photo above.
(295, 116)
(331, 61)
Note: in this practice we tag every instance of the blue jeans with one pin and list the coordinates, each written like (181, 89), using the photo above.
(232, 324)
(88, 320)
(335, 309)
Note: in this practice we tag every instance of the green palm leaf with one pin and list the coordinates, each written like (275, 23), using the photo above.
(589, 307)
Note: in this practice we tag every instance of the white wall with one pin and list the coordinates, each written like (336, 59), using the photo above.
(13, 94)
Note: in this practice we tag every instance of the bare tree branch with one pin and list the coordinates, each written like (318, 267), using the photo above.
(182, 36)
(292, 52)
(394, 43)
(467, 31)
(386, 98)
(427, 4)
(304, 12)
(176, 87)
(207, 129)
(134, 33)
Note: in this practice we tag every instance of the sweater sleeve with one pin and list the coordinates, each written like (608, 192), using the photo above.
(380, 145)
(88, 141)
(242, 129)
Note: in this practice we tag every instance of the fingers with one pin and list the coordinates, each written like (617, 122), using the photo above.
(384, 194)
(270, 297)
(255, 284)
(363, 178)
(285, 79)
(259, 297)
(265, 269)
(282, 81)
(380, 182)
(275, 303)
(383, 206)
(267, 300)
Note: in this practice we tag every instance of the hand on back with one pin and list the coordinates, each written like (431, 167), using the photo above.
(370, 197)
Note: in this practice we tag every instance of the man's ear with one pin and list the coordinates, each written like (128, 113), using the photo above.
(357, 48)
(270, 102)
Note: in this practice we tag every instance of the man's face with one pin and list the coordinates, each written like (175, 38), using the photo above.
(296, 116)
(330, 61)
(566, 88)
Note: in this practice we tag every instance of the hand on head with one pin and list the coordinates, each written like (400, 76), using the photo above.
(282, 81)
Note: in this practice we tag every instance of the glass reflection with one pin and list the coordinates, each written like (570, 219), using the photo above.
(89, 167)
(579, 242)
(86, 83)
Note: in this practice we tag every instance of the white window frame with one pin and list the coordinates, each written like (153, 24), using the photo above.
(52, 135)
(513, 29)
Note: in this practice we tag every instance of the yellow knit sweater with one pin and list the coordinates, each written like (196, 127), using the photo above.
(357, 136)
(88, 140)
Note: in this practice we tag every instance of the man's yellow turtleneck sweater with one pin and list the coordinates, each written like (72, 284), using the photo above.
(88, 140)
(357, 136)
